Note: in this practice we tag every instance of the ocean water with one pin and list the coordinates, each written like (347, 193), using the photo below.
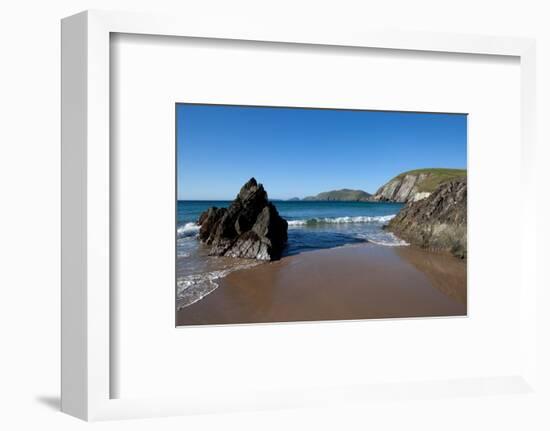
(312, 225)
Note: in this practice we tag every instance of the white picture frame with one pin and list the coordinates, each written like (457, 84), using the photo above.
(86, 311)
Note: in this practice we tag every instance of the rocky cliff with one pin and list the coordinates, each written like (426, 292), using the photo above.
(438, 222)
(416, 185)
(341, 195)
(250, 228)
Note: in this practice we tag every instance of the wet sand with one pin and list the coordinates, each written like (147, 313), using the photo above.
(363, 281)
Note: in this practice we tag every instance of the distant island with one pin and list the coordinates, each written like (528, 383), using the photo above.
(341, 195)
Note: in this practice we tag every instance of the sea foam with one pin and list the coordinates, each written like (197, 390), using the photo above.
(188, 229)
(339, 220)
(194, 287)
(384, 238)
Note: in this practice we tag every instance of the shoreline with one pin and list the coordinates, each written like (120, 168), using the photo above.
(353, 282)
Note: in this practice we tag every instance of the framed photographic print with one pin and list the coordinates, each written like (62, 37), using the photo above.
(260, 218)
(336, 253)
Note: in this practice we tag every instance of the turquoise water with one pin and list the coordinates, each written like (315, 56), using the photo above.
(311, 226)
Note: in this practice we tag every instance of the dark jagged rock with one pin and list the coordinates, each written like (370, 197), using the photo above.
(208, 221)
(250, 228)
(437, 222)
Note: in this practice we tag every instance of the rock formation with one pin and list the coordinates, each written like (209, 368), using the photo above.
(416, 185)
(250, 228)
(437, 222)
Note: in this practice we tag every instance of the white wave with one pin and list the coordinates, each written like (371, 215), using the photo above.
(188, 229)
(339, 220)
(387, 239)
(297, 222)
(193, 288)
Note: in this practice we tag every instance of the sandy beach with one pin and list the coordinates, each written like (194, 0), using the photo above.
(362, 281)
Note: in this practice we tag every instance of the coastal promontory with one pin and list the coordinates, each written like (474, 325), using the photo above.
(416, 185)
(249, 228)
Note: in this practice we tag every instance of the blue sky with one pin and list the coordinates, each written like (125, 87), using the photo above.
(301, 152)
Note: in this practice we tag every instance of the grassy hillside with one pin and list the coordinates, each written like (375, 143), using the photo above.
(436, 177)
(341, 195)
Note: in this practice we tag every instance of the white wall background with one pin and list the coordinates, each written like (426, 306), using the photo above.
(29, 215)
